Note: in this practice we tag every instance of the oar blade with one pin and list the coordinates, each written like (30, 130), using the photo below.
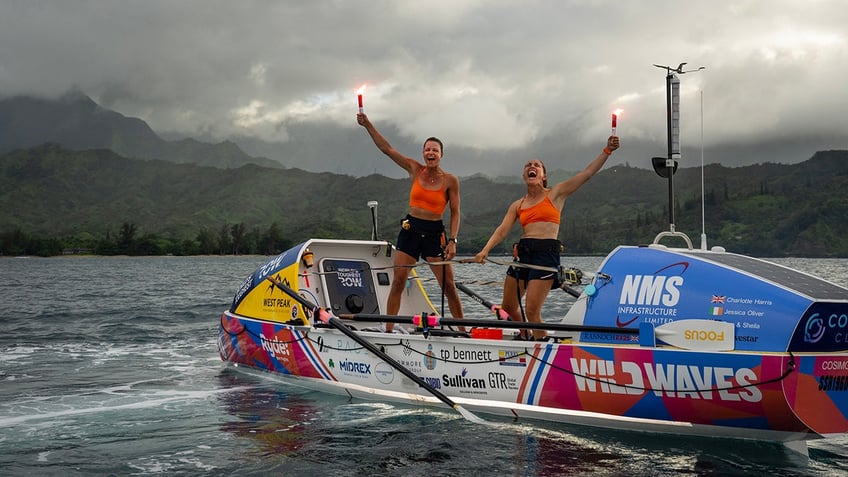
(699, 334)
(469, 415)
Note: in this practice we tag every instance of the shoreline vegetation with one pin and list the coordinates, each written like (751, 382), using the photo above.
(231, 240)
(57, 201)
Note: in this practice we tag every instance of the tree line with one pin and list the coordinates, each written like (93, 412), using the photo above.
(230, 239)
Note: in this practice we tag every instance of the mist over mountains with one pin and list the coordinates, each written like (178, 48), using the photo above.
(76, 122)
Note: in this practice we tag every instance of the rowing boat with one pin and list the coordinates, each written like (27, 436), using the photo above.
(672, 340)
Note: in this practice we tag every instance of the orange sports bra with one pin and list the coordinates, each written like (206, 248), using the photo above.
(433, 201)
(544, 211)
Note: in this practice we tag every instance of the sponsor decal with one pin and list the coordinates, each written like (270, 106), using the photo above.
(656, 321)
(463, 381)
(276, 302)
(815, 329)
(831, 365)
(747, 339)
(246, 285)
(824, 327)
(666, 380)
(703, 335)
(622, 324)
(269, 301)
(278, 349)
(353, 368)
(818, 325)
(608, 337)
(646, 310)
(653, 290)
(384, 373)
(466, 355)
(833, 383)
(349, 277)
(650, 296)
(272, 265)
(501, 381)
(430, 358)
(512, 358)
(413, 365)
(839, 322)
(433, 382)
(349, 346)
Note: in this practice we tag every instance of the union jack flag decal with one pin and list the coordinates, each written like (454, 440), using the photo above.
(718, 299)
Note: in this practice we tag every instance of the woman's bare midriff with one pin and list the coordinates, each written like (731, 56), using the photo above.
(541, 230)
(423, 214)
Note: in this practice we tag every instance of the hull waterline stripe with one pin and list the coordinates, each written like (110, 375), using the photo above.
(311, 355)
(532, 368)
(540, 372)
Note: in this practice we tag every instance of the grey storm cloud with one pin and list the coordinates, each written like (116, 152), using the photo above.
(497, 80)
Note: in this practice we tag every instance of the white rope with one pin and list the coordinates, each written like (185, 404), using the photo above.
(524, 265)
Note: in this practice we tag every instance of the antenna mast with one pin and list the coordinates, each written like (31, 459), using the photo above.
(372, 204)
(703, 198)
(666, 166)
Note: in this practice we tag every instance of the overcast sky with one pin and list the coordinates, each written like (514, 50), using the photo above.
(493, 76)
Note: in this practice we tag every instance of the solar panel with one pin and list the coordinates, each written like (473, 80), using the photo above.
(808, 285)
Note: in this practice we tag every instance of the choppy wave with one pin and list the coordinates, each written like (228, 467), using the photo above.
(108, 366)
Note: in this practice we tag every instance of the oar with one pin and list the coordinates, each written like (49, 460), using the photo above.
(496, 309)
(331, 320)
(694, 334)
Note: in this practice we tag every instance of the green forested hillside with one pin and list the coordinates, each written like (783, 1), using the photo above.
(53, 198)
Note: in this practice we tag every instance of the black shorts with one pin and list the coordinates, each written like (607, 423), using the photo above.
(421, 238)
(542, 252)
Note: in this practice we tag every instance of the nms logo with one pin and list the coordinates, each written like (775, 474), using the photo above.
(654, 289)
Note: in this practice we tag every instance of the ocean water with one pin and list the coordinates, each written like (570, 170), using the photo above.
(108, 366)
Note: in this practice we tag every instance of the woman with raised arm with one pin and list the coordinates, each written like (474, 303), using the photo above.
(422, 232)
(535, 272)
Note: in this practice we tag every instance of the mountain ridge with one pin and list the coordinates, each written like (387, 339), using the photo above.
(765, 210)
(77, 122)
